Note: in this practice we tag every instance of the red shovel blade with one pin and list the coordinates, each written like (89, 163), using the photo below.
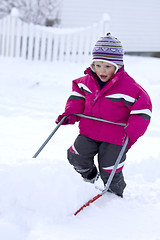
(88, 203)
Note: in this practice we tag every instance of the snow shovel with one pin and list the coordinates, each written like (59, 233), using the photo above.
(114, 168)
(62, 120)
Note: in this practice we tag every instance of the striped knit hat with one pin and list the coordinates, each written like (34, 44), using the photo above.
(108, 49)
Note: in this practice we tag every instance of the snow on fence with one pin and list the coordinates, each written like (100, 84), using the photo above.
(33, 42)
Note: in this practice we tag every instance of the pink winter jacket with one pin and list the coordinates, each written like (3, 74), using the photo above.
(121, 100)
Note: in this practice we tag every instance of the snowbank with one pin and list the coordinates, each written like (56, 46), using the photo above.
(39, 196)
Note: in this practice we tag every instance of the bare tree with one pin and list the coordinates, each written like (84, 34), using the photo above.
(42, 12)
(5, 7)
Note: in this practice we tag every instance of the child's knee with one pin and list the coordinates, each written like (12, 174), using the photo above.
(72, 157)
(87, 169)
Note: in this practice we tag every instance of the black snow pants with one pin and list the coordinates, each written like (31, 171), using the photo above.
(81, 155)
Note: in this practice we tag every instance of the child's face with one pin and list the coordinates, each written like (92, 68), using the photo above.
(104, 70)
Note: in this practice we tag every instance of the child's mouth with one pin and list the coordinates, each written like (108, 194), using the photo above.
(103, 77)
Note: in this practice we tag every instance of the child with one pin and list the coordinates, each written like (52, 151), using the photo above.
(106, 91)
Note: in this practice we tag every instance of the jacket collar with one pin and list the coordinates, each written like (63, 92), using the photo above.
(115, 76)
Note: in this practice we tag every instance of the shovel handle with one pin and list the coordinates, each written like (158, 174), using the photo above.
(50, 136)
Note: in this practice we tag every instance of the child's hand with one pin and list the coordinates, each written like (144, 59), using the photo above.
(69, 120)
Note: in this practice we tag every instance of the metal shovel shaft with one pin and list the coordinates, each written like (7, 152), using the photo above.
(50, 136)
(99, 119)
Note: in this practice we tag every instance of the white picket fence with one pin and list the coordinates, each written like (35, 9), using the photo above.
(32, 42)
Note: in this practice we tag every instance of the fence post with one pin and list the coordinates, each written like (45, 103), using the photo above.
(62, 41)
(18, 38)
(49, 47)
(4, 35)
(25, 30)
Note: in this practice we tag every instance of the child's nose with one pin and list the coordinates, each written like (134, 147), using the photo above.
(103, 70)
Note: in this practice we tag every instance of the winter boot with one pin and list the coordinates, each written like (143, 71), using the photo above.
(117, 188)
(92, 175)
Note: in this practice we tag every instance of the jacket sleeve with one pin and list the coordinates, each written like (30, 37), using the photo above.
(76, 101)
(139, 119)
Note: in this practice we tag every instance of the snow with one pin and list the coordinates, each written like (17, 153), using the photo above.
(40, 195)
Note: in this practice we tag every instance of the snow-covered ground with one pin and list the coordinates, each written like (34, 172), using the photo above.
(38, 196)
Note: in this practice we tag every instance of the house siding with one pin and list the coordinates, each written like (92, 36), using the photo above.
(136, 23)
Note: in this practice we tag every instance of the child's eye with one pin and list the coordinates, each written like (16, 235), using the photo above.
(97, 65)
(107, 66)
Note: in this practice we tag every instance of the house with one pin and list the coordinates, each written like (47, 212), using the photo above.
(136, 22)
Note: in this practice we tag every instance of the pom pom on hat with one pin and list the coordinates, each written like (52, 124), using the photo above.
(108, 49)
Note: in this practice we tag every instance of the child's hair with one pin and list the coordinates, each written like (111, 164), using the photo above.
(108, 49)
